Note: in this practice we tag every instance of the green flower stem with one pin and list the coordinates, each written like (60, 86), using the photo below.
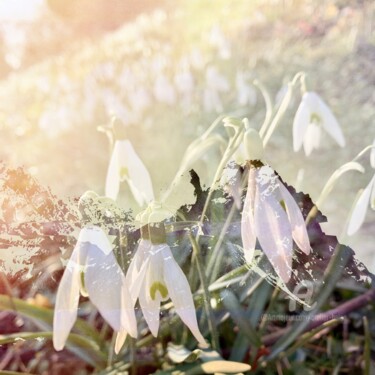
(270, 127)
(232, 146)
(268, 103)
(279, 114)
(213, 263)
(206, 294)
(328, 187)
(263, 323)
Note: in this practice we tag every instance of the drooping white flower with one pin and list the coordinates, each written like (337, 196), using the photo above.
(217, 39)
(125, 165)
(216, 84)
(359, 211)
(312, 115)
(372, 155)
(155, 276)
(93, 271)
(272, 216)
(246, 94)
(163, 90)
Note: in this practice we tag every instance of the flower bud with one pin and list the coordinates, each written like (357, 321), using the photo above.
(253, 145)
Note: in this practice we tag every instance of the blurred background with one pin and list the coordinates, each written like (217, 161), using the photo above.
(166, 69)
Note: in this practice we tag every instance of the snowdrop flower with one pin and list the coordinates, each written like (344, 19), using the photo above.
(164, 91)
(216, 83)
(155, 276)
(312, 115)
(184, 82)
(125, 165)
(367, 197)
(245, 92)
(94, 272)
(272, 216)
(217, 39)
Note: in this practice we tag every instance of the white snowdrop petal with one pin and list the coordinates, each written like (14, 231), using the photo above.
(247, 222)
(360, 208)
(372, 155)
(297, 222)
(103, 281)
(300, 124)
(96, 236)
(330, 124)
(274, 234)
(128, 321)
(112, 184)
(137, 269)
(120, 340)
(180, 293)
(67, 298)
(150, 309)
(139, 178)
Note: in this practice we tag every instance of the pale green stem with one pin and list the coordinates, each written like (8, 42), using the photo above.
(283, 106)
(328, 187)
(206, 298)
(279, 114)
(268, 102)
(232, 146)
(363, 152)
(213, 262)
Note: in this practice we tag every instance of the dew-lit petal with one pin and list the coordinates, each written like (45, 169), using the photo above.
(137, 269)
(330, 123)
(180, 293)
(312, 138)
(297, 222)
(372, 155)
(112, 184)
(120, 340)
(274, 234)
(67, 298)
(95, 236)
(128, 321)
(300, 124)
(138, 178)
(150, 309)
(360, 209)
(103, 281)
(247, 221)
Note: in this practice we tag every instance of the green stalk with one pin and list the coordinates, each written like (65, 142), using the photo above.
(206, 294)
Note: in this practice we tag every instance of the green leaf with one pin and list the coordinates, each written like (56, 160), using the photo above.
(93, 349)
(238, 314)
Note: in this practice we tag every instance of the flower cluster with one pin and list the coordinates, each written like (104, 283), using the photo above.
(153, 276)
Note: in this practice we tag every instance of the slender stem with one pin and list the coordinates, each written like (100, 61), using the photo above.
(206, 294)
(370, 147)
(268, 102)
(233, 144)
(280, 113)
(213, 261)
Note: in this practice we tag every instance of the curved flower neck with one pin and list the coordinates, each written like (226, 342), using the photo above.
(155, 233)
